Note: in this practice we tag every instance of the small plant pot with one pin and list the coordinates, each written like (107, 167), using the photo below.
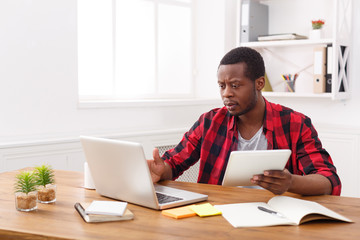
(47, 194)
(26, 202)
(315, 34)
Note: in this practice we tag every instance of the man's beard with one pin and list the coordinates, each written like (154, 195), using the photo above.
(251, 105)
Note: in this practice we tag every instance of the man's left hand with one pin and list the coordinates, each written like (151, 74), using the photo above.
(276, 181)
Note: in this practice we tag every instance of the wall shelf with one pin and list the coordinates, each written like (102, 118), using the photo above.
(282, 43)
(297, 56)
(296, 94)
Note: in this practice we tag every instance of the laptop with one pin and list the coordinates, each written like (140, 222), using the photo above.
(243, 165)
(120, 171)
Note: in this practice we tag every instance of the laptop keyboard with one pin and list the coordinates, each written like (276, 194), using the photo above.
(163, 198)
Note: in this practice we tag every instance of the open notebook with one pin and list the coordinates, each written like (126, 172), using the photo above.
(279, 210)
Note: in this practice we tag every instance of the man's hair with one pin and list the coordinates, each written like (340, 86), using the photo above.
(255, 67)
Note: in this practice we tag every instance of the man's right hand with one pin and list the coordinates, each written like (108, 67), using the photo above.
(156, 166)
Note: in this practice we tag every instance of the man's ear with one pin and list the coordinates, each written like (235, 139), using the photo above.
(260, 83)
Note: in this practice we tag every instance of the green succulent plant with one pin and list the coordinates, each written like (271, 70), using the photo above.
(44, 175)
(26, 182)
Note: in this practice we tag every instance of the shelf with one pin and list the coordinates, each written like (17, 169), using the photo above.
(339, 96)
(295, 94)
(284, 43)
(290, 56)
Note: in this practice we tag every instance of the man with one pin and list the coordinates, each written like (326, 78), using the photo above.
(249, 122)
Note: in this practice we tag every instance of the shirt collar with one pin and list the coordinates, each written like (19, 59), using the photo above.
(232, 122)
(268, 116)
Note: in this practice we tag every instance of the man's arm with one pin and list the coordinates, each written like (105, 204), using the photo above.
(312, 169)
(279, 182)
(159, 169)
(312, 184)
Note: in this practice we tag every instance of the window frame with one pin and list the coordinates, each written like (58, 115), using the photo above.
(96, 101)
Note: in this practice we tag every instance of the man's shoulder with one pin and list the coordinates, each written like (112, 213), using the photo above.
(216, 112)
(280, 108)
(216, 115)
(281, 111)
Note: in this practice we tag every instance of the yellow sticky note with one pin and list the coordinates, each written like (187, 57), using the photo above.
(204, 210)
(180, 212)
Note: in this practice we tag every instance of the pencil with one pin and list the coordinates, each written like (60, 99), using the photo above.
(290, 89)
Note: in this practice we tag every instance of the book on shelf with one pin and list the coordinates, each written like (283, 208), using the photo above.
(281, 36)
(279, 210)
(92, 218)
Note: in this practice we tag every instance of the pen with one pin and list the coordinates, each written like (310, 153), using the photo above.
(295, 77)
(287, 84)
(270, 211)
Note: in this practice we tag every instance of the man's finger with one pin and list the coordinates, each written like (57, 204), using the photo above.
(156, 156)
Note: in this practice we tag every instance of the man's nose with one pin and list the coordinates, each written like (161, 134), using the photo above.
(227, 92)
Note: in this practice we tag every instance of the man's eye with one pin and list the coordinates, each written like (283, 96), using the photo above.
(221, 86)
(234, 85)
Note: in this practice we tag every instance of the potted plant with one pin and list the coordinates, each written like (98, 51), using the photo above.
(45, 181)
(25, 191)
(317, 24)
(316, 32)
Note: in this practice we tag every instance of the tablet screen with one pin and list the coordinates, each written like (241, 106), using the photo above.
(243, 165)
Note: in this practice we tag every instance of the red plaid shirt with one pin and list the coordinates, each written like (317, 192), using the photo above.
(215, 135)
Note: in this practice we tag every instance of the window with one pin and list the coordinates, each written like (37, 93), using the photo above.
(138, 49)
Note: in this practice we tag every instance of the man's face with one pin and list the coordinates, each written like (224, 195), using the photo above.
(237, 91)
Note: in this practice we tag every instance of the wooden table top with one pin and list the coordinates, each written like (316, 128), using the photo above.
(60, 220)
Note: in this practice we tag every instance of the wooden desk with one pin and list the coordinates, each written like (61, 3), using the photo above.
(61, 221)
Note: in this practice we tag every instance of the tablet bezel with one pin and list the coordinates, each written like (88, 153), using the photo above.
(243, 165)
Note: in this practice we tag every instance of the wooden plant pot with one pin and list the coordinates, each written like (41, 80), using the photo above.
(47, 194)
(26, 202)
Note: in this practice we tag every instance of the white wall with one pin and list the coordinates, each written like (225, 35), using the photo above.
(38, 74)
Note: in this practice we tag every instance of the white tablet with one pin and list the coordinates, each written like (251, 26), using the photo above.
(243, 165)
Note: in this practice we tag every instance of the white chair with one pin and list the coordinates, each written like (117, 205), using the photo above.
(190, 175)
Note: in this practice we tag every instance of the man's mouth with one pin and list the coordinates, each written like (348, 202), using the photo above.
(230, 106)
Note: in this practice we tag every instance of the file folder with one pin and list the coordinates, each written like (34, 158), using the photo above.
(254, 20)
(329, 62)
(319, 69)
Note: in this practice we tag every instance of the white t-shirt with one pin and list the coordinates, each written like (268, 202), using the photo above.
(257, 142)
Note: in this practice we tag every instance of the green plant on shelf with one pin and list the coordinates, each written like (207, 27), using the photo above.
(317, 24)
